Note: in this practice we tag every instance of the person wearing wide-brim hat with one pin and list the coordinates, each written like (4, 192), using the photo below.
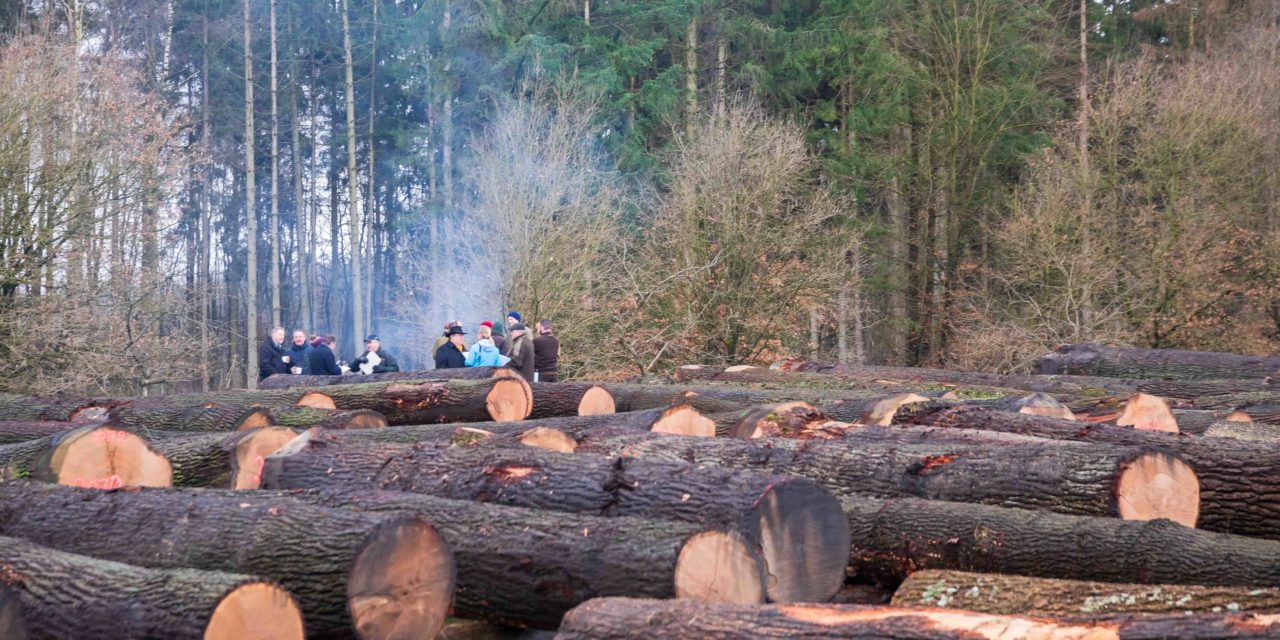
(521, 351)
(452, 354)
(375, 359)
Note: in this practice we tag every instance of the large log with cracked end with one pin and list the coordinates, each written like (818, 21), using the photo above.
(1020, 595)
(1092, 359)
(506, 555)
(101, 457)
(636, 619)
(66, 595)
(555, 399)
(219, 460)
(288, 381)
(1239, 481)
(1128, 482)
(369, 575)
(798, 526)
(895, 538)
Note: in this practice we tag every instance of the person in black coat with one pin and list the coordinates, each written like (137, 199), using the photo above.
(451, 355)
(272, 358)
(299, 354)
(374, 359)
(322, 361)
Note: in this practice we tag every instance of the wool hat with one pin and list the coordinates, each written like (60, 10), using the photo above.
(519, 326)
(516, 315)
(486, 323)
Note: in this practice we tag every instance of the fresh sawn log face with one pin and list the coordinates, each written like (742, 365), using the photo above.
(377, 576)
(65, 595)
(101, 457)
(799, 528)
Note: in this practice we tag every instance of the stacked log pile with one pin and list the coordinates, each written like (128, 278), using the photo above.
(1117, 494)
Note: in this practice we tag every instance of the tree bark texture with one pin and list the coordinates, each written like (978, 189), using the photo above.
(12, 431)
(1173, 364)
(1239, 482)
(766, 509)
(65, 595)
(1020, 595)
(311, 551)
(714, 399)
(287, 381)
(556, 399)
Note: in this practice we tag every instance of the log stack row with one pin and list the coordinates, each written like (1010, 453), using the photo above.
(1120, 494)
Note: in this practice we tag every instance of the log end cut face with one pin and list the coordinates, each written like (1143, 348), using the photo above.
(509, 400)
(1158, 485)
(880, 412)
(255, 611)
(106, 458)
(363, 419)
(317, 400)
(256, 418)
(1149, 413)
(401, 583)
(804, 536)
(596, 401)
(250, 452)
(684, 420)
(1042, 404)
(12, 626)
(720, 566)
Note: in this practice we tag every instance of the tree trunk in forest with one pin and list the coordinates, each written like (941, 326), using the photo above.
(722, 95)
(899, 266)
(98, 457)
(1092, 359)
(300, 207)
(691, 75)
(1086, 182)
(275, 179)
(797, 525)
(1239, 482)
(1046, 597)
(65, 595)
(507, 555)
(1134, 482)
(251, 222)
(367, 575)
(628, 618)
(556, 399)
(371, 212)
(288, 381)
(206, 225)
(814, 338)
(353, 186)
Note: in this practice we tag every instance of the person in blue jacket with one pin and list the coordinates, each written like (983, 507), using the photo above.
(484, 353)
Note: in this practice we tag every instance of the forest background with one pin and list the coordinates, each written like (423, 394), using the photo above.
(965, 183)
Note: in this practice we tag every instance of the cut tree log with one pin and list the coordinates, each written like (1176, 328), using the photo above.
(14, 431)
(208, 417)
(1019, 595)
(719, 399)
(1197, 421)
(678, 420)
(636, 619)
(1092, 359)
(374, 575)
(785, 420)
(57, 408)
(798, 526)
(556, 399)
(528, 567)
(65, 595)
(1251, 431)
(1239, 482)
(1041, 404)
(883, 380)
(101, 457)
(331, 419)
(498, 399)
(219, 460)
(1146, 412)
(287, 381)
(895, 538)
(1136, 483)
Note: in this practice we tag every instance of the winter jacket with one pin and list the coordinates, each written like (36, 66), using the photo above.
(322, 362)
(522, 356)
(387, 365)
(483, 354)
(546, 358)
(500, 342)
(449, 356)
(271, 359)
(300, 357)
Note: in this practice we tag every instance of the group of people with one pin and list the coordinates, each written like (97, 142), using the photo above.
(317, 356)
(535, 358)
